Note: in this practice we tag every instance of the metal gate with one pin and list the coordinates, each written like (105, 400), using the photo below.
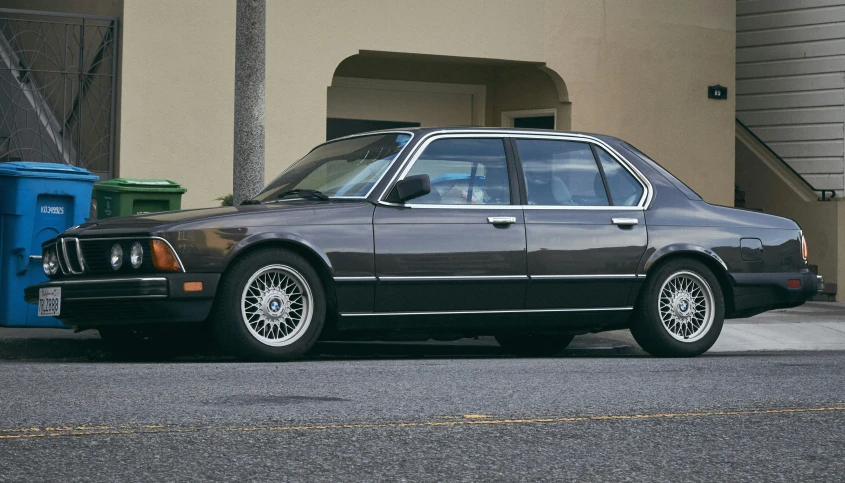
(57, 88)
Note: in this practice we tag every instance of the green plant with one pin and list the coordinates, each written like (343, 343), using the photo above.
(225, 200)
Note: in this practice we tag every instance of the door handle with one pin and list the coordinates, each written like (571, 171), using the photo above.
(501, 220)
(625, 221)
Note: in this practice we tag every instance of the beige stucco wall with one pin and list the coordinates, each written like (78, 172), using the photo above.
(634, 69)
(177, 118)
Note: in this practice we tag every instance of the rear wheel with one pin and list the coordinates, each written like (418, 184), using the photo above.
(681, 310)
(534, 345)
(271, 306)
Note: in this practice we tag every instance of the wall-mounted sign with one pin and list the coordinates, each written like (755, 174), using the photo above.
(717, 92)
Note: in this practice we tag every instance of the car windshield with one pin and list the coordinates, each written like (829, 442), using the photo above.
(348, 168)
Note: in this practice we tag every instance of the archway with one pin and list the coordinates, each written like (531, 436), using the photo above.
(379, 90)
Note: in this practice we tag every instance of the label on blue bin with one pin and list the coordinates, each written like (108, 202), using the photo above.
(53, 210)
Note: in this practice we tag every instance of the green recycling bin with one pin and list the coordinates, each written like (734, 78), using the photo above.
(129, 196)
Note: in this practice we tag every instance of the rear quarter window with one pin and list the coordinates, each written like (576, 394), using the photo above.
(686, 190)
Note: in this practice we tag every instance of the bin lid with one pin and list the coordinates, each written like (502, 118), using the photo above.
(29, 169)
(143, 185)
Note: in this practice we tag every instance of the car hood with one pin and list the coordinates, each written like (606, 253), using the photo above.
(299, 212)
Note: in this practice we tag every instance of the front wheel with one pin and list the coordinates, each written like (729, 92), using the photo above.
(271, 306)
(681, 310)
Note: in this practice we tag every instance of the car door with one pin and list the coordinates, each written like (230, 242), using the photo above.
(462, 246)
(584, 224)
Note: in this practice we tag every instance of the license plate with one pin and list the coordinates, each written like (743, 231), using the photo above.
(49, 302)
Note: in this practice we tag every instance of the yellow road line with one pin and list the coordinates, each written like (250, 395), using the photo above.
(465, 420)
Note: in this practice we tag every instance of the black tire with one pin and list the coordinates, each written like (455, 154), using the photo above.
(230, 326)
(648, 326)
(534, 345)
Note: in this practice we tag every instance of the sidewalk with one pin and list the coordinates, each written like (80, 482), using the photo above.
(815, 326)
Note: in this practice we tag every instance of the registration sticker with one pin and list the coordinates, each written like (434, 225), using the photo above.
(49, 301)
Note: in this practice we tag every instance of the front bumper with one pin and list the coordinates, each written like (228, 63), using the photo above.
(156, 298)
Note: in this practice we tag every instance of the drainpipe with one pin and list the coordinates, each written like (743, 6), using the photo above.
(248, 162)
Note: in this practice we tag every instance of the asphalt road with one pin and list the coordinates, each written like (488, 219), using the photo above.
(364, 413)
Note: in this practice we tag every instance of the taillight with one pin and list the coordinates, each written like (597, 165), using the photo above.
(804, 251)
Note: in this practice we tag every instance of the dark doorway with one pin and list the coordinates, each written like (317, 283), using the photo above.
(535, 122)
(337, 128)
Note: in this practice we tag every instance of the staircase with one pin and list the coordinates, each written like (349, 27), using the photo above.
(766, 183)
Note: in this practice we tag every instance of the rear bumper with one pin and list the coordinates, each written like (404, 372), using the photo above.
(758, 292)
(131, 300)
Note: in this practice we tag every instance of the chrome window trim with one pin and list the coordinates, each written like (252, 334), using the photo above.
(453, 207)
(472, 312)
(352, 136)
(407, 163)
(412, 158)
(145, 237)
(645, 199)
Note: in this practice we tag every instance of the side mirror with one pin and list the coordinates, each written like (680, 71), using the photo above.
(413, 187)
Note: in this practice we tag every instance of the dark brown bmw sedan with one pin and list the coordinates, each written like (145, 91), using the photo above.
(529, 236)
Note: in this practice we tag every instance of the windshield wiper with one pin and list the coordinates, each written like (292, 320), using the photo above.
(304, 193)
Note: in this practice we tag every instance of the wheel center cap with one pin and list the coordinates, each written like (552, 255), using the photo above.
(682, 305)
(274, 305)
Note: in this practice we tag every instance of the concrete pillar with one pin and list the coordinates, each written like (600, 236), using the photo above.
(248, 163)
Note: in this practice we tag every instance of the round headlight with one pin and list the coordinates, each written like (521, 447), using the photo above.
(116, 256)
(50, 262)
(136, 255)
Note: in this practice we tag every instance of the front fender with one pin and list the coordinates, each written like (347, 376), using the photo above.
(676, 248)
(268, 238)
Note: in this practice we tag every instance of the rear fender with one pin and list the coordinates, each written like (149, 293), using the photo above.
(679, 248)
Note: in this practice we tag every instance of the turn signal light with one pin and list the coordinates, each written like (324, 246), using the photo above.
(163, 257)
(192, 286)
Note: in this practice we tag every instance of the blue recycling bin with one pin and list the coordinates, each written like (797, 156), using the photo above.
(37, 202)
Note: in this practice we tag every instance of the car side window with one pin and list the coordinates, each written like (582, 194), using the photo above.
(464, 171)
(561, 173)
(624, 188)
